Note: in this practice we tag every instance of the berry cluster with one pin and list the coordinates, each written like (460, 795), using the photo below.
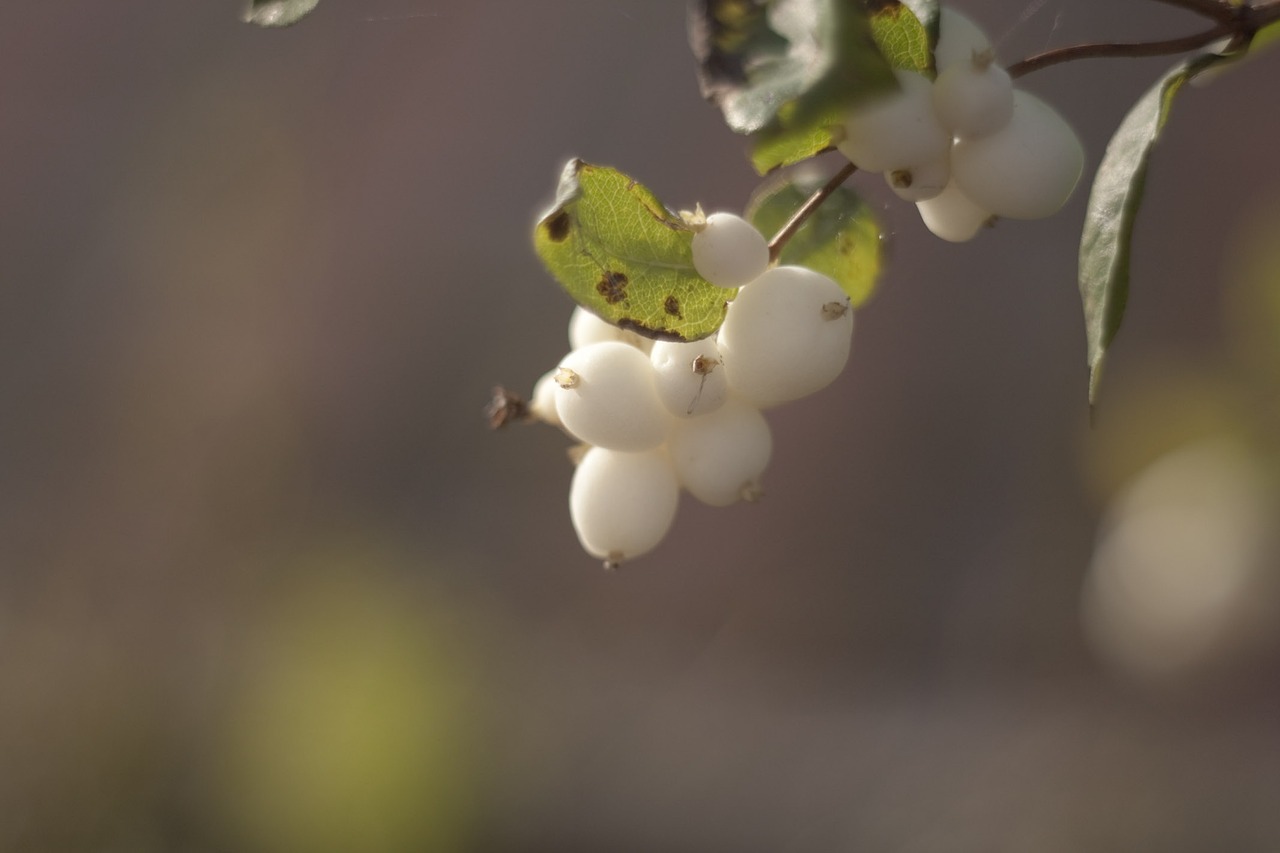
(658, 417)
(967, 146)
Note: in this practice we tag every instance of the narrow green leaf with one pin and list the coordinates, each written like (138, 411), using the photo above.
(622, 255)
(902, 34)
(1106, 244)
(278, 13)
(842, 239)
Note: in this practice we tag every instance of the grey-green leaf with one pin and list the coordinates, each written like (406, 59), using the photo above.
(1106, 243)
(278, 13)
(625, 257)
(786, 71)
(842, 239)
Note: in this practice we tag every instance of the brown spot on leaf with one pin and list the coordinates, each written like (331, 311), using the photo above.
(558, 227)
(613, 286)
(672, 306)
(653, 334)
(876, 7)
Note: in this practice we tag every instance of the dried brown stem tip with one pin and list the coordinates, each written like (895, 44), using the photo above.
(505, 407)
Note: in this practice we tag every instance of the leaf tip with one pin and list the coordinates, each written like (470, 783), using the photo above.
(1095, 384)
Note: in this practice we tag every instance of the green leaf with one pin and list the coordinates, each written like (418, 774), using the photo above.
(842, 238)
(1106, 244)
(1266, 38)
(622, 255)
(787, 70)
(926, 12)
(777, 146)
(901, 30)
(278, 13)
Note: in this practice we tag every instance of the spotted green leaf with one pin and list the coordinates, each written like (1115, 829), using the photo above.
(278, 13)
(842, 239)
(1107, 242)
(622, 255)
(901, 30)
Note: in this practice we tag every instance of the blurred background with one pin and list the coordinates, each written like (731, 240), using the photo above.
(268, 582)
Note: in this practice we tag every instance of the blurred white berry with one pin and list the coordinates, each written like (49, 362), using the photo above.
(622, 504)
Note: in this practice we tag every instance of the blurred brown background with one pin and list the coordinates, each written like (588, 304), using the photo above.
(267, 582)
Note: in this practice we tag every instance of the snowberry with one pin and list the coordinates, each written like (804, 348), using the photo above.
(1026, 170)
(690, 377)
(542, 403)
(728, 251)
(719, 458)
(786, 336)
(605, 396)
(898, 130)
(959, 38)
(952, 215)
(586, 328)
(920, 182)
(622, 504)
(974, 98)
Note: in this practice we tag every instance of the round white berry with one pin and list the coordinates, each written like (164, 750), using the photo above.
(897, 130)
(959, 38)
(952, 215)
(1026, 170)
(690, 377)
(542, 403)
(786, 336)
(728, 251)
(606, 397)
(622, 504)
(720, 458)
(974, 98)
(920, 182)
(586, 328)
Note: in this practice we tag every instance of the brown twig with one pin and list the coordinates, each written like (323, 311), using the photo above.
(806, 210)
(1239, 23)
(1122, 49)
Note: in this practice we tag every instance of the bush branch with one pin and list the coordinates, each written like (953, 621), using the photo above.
(1238, 23)
(1122, 49)
(779, 241)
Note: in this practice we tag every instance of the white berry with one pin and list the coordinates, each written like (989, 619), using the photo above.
(586, 328)
(622, 504)
(542, 402)
(786, 336)
(974, 98)
(959, 38)
(952, 215)
(690, 377)
(922, 182)
(897, 130)
(606, 397)
(728, 251)
(720, 458)
(1025, 171)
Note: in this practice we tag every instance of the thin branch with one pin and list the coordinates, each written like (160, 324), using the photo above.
(806, 210)
(1122, 49)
